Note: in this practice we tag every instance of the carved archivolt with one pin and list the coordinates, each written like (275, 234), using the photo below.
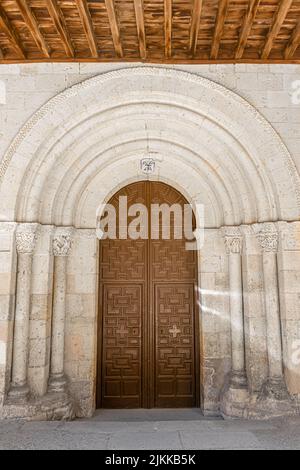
(194, 104)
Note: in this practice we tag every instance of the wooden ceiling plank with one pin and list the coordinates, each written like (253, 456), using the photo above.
(1, 55)
(87, 23)
(139, 14)
(10, 32)
(168, 28)
(33, 27)
(220, 21)
(195, 25)
(279, 18)
(246, 28)
(293, 44)
(60, 24)
(114, 27)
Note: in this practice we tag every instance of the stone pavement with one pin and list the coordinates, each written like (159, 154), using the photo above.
(151, 429)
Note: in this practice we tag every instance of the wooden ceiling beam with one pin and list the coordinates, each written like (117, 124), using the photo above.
(168, 27)
(280, 16)
(114, 27)
(10, 32)
(60, 25)
(33, 27)
(293, 44)
(140, 24)
(220, 21)
(87, 24)
(246, 28)
(195, 25)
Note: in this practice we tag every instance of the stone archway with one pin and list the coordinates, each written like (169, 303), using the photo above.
(74, 154)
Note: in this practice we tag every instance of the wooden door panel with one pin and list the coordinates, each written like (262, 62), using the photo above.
(123, 260)
(172, 262)
(175, 348)
(122, 346)
(148, 314)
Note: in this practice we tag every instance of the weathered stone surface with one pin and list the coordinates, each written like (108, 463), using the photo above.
(212, 145)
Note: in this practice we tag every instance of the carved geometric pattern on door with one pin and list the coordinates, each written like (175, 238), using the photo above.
(122, 328)
(171, 261)
(174, 351)
(147, 304)
(123, 260)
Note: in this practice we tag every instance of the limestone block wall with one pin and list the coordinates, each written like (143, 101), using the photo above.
(254, 313)
(7, 302)
(289, 281)
(214, 319)
(82, 320)
(41, 313)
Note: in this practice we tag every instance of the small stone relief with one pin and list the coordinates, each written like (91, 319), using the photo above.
(233, 240)
(233, 245)
(26, 237)
(268, 242)
(267, 236)
(148, 166)
(62, 244)
(290, 236)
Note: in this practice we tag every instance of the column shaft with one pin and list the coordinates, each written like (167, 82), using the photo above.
(236, 312)
(272, 315)
(25, 241)
(61, 247)
(58, 318)
(21, 326)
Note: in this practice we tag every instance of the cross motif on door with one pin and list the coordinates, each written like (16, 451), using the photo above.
(122, 331)
(174, 331)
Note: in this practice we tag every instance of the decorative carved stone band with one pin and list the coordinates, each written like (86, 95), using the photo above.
(233, 240)
(267, 236)
(62, 244)
(26, 236)
(236, 394)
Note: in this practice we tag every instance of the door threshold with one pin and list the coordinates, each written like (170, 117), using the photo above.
(155, 414)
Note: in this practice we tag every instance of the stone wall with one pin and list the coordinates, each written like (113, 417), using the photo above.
(81, 316)
(8, 267)
(269, 88)
(69, 197)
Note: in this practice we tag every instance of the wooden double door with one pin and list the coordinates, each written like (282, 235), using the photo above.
(148, 346)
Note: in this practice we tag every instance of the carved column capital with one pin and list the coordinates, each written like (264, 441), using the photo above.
(62, 241)
(26, 237)
(267, 236)
(233, 239)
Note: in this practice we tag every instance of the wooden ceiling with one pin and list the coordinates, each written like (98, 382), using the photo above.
(183, 31)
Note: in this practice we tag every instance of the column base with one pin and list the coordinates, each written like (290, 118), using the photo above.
(273, 401)
(57, 384)
(235, 396)
(51, 407)
(19, 394)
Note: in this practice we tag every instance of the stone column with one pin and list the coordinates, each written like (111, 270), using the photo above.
(62, 244)
(26, 236)
(275, 386)
(235, 394)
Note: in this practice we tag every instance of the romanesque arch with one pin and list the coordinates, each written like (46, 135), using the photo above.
(78, 150)
(96, 127)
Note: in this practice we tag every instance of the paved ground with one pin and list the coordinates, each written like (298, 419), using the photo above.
(155, 429)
